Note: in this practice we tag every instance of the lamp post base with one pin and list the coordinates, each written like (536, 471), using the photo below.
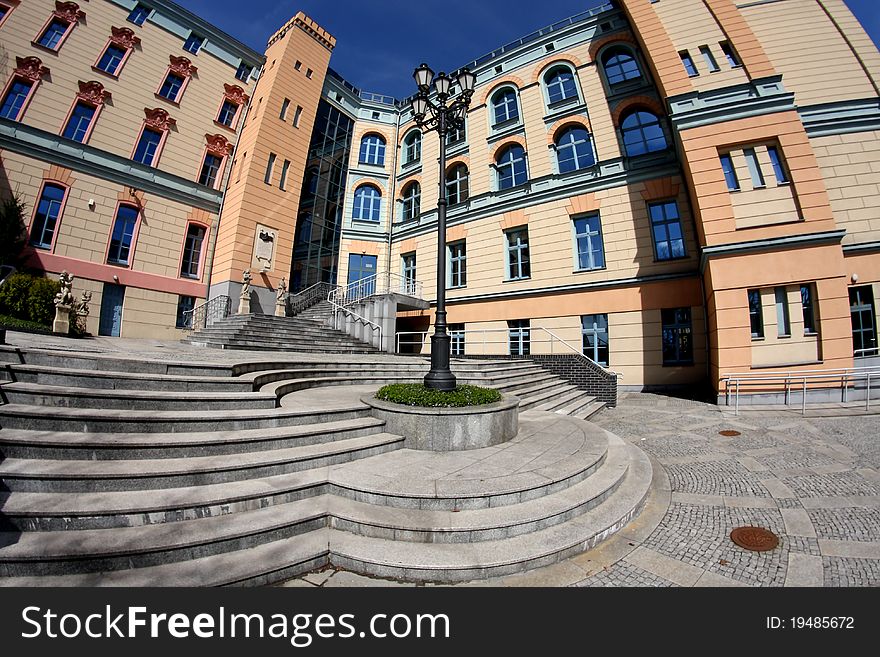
(440, 377)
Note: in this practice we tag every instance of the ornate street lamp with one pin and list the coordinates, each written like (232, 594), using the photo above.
(441, 114)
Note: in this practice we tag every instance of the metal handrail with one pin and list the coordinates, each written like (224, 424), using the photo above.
(384, 283)
(210, 309)
(337, 310)
(308, 297)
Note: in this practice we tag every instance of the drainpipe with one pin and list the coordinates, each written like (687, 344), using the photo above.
(393, 202)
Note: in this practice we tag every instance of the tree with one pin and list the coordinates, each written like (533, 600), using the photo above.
(13, 234)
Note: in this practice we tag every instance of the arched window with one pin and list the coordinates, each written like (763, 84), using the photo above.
(574, 149)
(560, 84)
(511, 166)
(372, 150)
(504, 106)
(412, 198)
(642, 133)
(367, 203)
(457, 184)
(412, 147)
(620, 65)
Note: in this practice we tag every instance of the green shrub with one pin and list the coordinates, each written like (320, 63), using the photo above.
(416, 394)
(14, 324)
(13, 234)
(14, 295)
(41, 300)
(30, 298)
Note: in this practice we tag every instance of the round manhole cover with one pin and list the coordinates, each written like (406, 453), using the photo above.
(756, 539)
(730, 433)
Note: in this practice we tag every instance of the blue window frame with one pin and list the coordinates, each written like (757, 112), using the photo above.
(729, 172)
(147, 147)
(47, 215)
(688, 62)
(642, 133)
(111, 59)
(185, 304)
(666, 230)
(754, 168)
(138, 15)
(574, 150)
(192, 251)
(778, 168)
(560, 85)
(367, 203)
(13, 102)
(709, 58)
(594, 333)
(171, 87)
(210, 169)
(121, 237)
(244, 72)
(620, 66)
(504, 106)
(362, 269)
(372, 150)
(3, 11)
(227, 113)
(519, 337)
(518, 264)
(730, 53)
(678, 342)
(511, 166)
(79, 122)
(457, 264)
(412, 147)
(193, 43)
(51, 36)
(588, 240)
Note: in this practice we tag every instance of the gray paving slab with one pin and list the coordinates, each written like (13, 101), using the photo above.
(798, 523)
(858, 550)
(804, 570)
(678, 572)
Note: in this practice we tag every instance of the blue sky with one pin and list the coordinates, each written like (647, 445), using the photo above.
(380, 42)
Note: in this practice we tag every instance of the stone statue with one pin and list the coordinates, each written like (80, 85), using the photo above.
(281, 299)
(63, 305)
(244, 299)
(82, 308)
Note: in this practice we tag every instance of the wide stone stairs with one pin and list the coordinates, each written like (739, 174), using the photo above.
(120, 471)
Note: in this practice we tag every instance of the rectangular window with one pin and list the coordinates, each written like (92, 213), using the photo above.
(122, 235)
(409, 273)
(269, 166)
(284, 167)
(456, 339)
(756, 315)
(309, 73)
(78, 124)
(730, 53)
(296, 116)
(678, 344)
(228, 110)
(148, 147)
(13, 102)
(138, 15)
(666, 230)
(689, 65)
(808, 311)
(284, 105)
(588, 240)
(54, 32)
(193, 43)
(171, 87)
(754, 168)
(864, 329)
(4, 12)
(729, 172)
(458, 264)
(783, 325)
(778, 168)
(184, 312)
(594, 331)
(47, 215)
(192, 251)
(709, 58)
(243, 73)
(519, 337)
(210, 170)
(111, 59)
(518, 254)
(298, 66)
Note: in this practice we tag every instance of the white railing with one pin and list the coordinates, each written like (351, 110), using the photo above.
(207, 312)
(385, 283)
(341, 312)
(307, 298)
(803, 380)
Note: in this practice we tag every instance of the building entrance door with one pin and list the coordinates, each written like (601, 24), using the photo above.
(111, 310)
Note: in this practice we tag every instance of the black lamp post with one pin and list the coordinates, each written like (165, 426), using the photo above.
(441, 114)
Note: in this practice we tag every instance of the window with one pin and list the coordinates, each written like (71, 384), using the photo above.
(46, 217)
(518, 337)
(121, 237)
(754, 167)
(574, 150)
(511, 167)
(13, 102)
(560, 85)
(138, 15)
(729, 52)
(456, 339)
(269, 166)
(171, 87)
(756, 314)
(228, 111)
(184, 312)
(112, 59)
(642, 133)
(210, 169)
(244, 72)
(729, 172)
(457, 184)
(620, 66)
(372, 150)
(504, 106)
(284, 105)
(666, 230)
(193, 43)
(147, 148)
(518, 254)
(284, 168)
(807, 308)
(594, 332)
(864, 330)
(457, 264)
(412, 147)
(296, 116)
(709, 58)
(588, 240)
(298, 66)
(409, 273)
(778, 168)
(5, 10)
(80, 120)
(53, 34)
(689, 65)
(678, 347)
(367, 203)
(412, 196)
(309, 73)
(783, 325)
(192, 251)
(455, 135)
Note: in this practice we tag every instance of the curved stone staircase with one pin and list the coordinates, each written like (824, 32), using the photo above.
(136, 472)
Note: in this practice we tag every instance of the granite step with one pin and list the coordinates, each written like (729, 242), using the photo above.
(576, 405)
(574, 398)
(312, 347)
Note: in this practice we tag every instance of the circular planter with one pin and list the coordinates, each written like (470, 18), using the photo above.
(449, 429)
